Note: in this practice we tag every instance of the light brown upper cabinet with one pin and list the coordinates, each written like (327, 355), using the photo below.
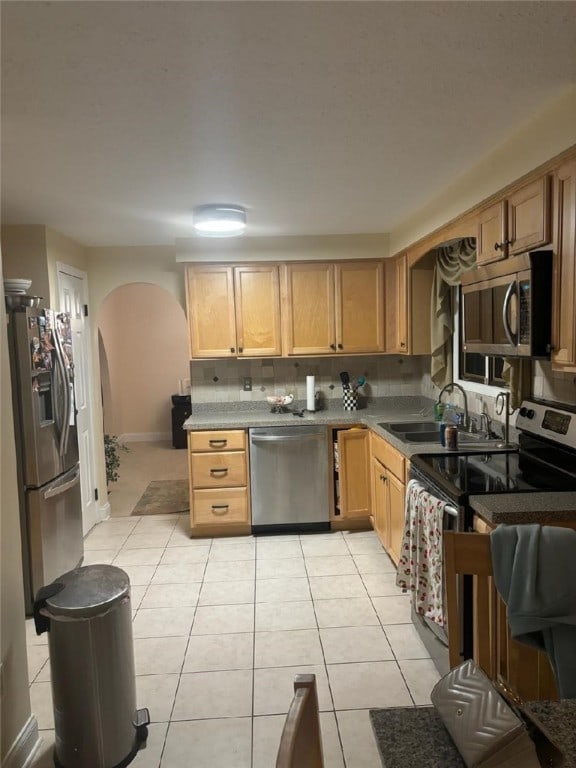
(563, 307)
(396, 297)
(519, 223)
(234, 311)
(407, 299)
(333, 308)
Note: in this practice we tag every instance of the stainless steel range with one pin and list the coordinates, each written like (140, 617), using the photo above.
(544, 461)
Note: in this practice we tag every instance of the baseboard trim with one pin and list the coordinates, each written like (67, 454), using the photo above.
(22, 752)
(144, 437)
(105, 510)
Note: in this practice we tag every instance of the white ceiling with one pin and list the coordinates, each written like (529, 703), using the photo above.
(319, 117)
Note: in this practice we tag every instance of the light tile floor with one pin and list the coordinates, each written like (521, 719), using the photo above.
(222, 626)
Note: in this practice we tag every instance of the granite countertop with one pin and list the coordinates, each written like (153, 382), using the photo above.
(537, 507)
(514, 508)
(417, 737)
(382, 410)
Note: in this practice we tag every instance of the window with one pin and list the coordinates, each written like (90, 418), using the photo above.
(481, 368)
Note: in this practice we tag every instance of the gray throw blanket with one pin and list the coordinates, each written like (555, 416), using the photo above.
(535, 573)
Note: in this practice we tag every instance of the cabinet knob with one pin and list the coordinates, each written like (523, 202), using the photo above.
(402, 343)
(240, 349)
(332, 346)
(508, 242)
(232, 349)
(340, 346)
(498, 246)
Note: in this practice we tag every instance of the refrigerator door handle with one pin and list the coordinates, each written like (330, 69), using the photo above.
(57, 489)
(65, 426)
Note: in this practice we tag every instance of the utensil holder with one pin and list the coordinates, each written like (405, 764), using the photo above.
(350, 400)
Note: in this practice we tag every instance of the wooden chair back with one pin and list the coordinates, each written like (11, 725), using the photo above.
(469, 554)
(524, 669)
(301, 744)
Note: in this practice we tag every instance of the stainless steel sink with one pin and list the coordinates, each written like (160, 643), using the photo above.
(428, 432)
(420, 437)
(412, 426)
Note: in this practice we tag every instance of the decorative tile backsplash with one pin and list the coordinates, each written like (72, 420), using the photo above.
(553, 385)
(217, 381)
(221, 381)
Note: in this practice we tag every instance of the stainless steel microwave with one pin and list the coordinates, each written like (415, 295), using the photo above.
(507, 307)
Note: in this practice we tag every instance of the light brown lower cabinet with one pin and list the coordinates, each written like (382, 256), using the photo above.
(219, 489)
(353, 479)
(526, 670)
(388, 468)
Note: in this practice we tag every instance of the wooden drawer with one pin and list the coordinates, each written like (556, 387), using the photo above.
(218, 440)
(395, 462)
(218, 507)
(218, 470)
(378, 447)
(389, 456)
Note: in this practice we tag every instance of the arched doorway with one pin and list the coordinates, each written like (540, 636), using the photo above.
(143, 349)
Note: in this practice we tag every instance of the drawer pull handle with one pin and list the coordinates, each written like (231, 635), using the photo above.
(223, 471)
(220, 509)
(218, 443)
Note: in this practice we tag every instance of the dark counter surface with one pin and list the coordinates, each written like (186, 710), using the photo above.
(543, 507)
(417, 737)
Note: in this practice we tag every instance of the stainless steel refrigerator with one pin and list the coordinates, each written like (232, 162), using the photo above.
(42, 369)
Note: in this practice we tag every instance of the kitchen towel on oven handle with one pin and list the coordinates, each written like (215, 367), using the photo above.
(420, 565)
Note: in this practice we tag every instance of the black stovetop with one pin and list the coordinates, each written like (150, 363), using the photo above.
(465, 474)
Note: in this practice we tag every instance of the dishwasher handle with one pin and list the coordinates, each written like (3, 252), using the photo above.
(284, 438)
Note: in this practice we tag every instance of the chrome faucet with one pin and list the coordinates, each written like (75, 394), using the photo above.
(486, 424)
(503, 407)
(450, 387)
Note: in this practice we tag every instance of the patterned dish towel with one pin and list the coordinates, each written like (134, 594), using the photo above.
(420, 564)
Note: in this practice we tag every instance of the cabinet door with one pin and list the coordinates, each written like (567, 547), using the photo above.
(396, 491)
(257, 298)
(529, 217)
(210, 297)
(353, 452)
(308, 317)
(359, 307)
(379, 501)
(395, 300)
(492, 234)
(564, 312)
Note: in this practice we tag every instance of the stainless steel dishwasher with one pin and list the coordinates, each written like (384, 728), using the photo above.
(289, 479)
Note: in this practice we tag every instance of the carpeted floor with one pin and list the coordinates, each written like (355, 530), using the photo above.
(163, 497)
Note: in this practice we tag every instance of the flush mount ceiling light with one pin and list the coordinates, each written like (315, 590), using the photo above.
(219, 220)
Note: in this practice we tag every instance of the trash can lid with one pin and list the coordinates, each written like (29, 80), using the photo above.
(89, 591)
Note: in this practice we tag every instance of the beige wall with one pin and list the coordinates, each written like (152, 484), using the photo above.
(24, 255)
(15, 704)
(109, 268)
(538, 141)
(314, 248)
(145, 336)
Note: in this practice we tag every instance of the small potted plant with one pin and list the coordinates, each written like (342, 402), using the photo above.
(111, 448)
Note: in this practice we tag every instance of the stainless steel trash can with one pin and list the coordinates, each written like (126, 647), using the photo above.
(88, 616)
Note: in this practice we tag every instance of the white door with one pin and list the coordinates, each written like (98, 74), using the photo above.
(72, 289)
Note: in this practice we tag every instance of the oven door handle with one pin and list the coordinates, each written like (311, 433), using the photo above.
(450, 510)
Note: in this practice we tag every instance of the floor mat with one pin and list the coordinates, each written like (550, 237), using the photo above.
(163, 497)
